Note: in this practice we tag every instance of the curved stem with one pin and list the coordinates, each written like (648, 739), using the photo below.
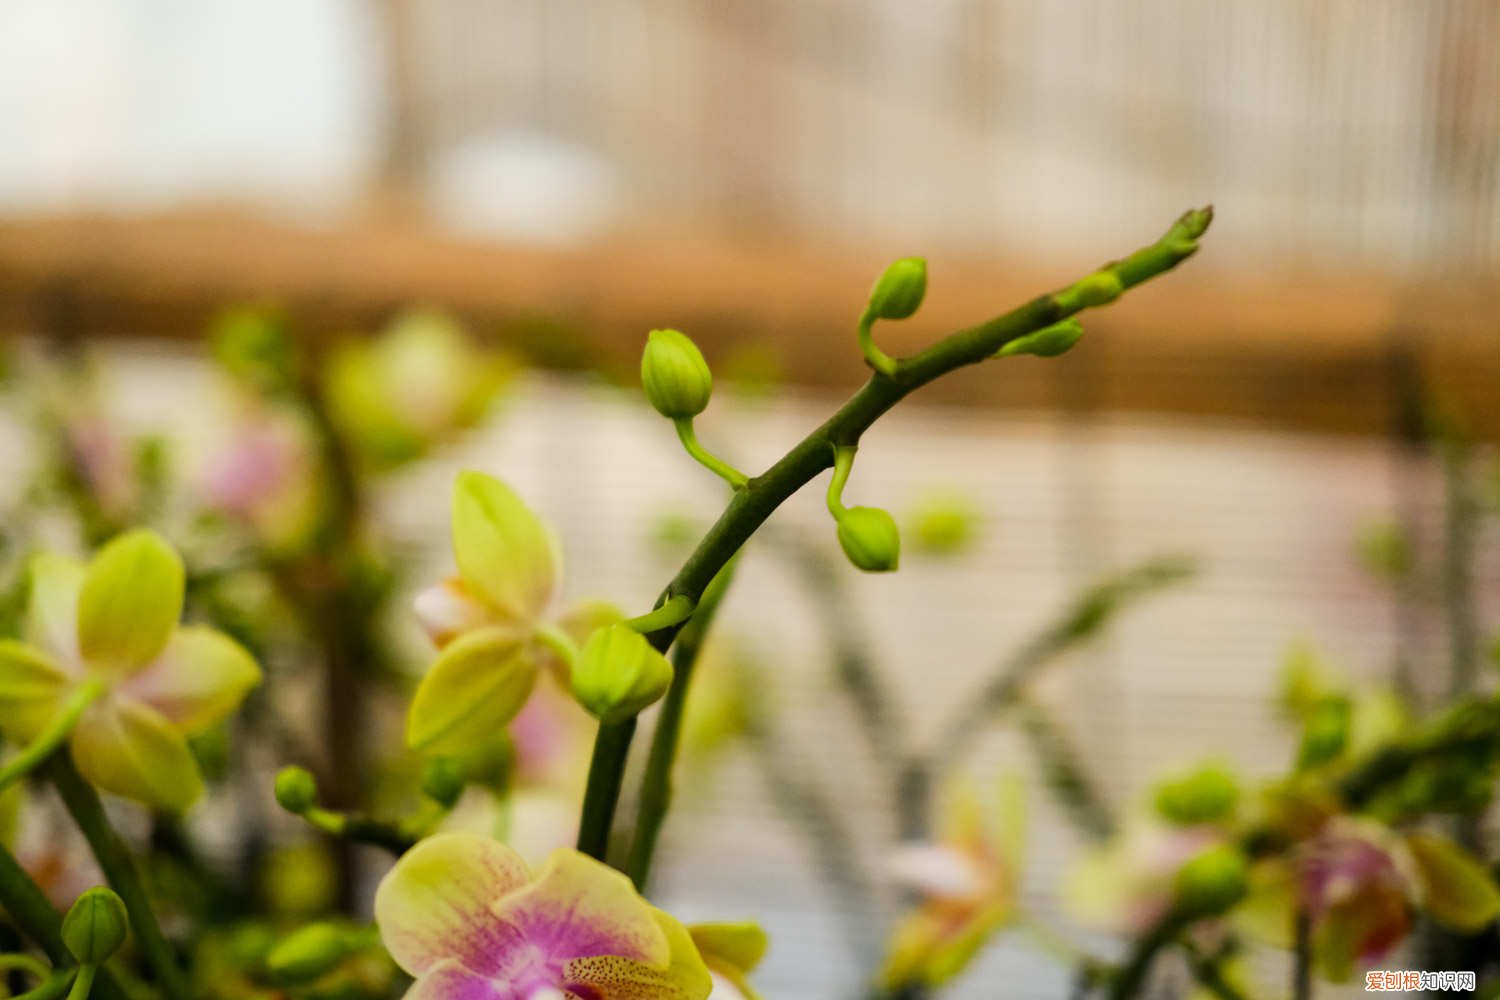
(878, 359)
(119, 868)
(83, 982)
(23, 963)
(360, 829)
(734, 477)
(673, 611)
(751, 505)
(843, 463)
(54, 735)
(656, 784)
(53, 986)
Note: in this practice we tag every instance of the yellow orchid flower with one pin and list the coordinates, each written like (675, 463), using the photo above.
(105, 665)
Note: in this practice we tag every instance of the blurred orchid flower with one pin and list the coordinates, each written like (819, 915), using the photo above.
(490, 621)
(968, 884)
(463, 915)
(1360, 884)
(103, 643)
(264, 476)
(416, 384)
(1127, 885)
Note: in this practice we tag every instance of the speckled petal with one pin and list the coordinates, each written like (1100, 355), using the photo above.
(683, 976)
(438, 903)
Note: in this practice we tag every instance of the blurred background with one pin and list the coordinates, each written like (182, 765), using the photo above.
(564, 176)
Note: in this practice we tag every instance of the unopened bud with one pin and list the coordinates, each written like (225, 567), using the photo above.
(675, 376)
(1212, 881)
(443, 780)
(96, 926)
(619, 674)
(1206, 795)
(296, 790)
(1047, 342)
(900, 289)
(870, 539)
(308, 953)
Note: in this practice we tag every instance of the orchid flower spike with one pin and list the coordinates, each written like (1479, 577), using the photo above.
(462, 914)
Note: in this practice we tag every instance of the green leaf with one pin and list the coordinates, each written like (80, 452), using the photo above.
(130, 602)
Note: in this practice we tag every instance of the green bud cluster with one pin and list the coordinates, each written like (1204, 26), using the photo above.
(675, 375)
(619, 674)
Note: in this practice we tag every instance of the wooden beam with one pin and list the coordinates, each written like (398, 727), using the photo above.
(1290, 350)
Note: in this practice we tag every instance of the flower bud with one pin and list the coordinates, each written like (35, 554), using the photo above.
(1047, 342)
(870, 539)
(1098, 289)
(96, 926)
(1206, 795)
(900, 289)
(945, 524)
(443, 780)
(1212, 881)
(675, 376)
(296, 790)
(308, 953)
(619, 674)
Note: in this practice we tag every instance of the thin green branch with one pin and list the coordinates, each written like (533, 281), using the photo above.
(689, 437)
(749, 508)
(1065, 772)
(119, 868)
(656, 783)
(1085, 618)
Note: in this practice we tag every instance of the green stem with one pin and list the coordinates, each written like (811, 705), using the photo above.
(656, 783)
(57, 731)
(119, 869)
(29, 909)
(1131, 979)
(843, 463)
(606, 775)
(752, 504)
(360, 829)
(23, 963)
(878, 359)
(1302, 959)
(558, 641)
(1208, 970)
(53, 987)
(83, 983)
(734, 477)
(673, 611)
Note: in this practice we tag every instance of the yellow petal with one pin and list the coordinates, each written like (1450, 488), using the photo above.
(1459, 892)
(130, 602)
(31, 688)
(52, 609)
(127, 748)
(739, 945)
(476, 686)
(199, 679)
(438, 903)
(505, 553)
